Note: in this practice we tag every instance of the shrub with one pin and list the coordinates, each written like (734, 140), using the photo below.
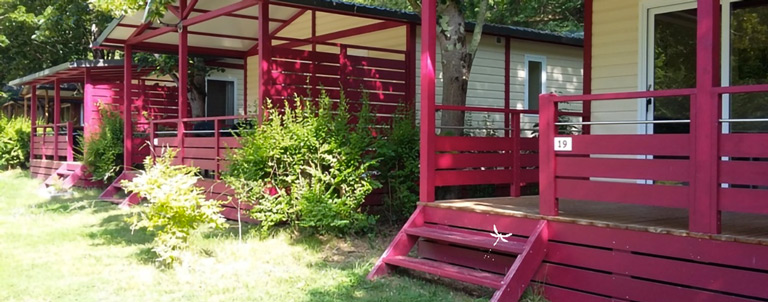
(14, 141)
(102, 151)
(397, 156)
(176, 208)
(309, 167)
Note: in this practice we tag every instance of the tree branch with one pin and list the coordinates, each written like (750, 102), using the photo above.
(482, 11)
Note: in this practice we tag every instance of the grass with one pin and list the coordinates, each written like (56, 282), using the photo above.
(79, 249)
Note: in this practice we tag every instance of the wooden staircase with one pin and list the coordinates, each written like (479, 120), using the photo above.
(463, 246)
(117, 195)
(68, 175)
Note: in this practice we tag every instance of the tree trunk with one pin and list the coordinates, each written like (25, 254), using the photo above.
(456, 61)
(197, 93)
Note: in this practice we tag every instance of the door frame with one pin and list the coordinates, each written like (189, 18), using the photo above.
(223, 78)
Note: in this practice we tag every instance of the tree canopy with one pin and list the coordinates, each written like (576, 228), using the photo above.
(37, 34)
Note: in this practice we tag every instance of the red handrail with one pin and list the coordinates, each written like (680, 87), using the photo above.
(624, 95)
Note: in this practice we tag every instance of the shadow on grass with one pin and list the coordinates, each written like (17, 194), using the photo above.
(77, 201)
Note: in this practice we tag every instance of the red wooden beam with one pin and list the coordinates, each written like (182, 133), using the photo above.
(190, 6)
(149, 35)
(33, 118)
(170, 48)
(127, 121)
(183, 101)
(705, 128)
(344, 33)
(288, 22)
(140, 29)
(174, 11)
(245, 88)
(226, 10)
(586, 107)
(548, 204)
(427, 127)
(224, 65)
(265, 58)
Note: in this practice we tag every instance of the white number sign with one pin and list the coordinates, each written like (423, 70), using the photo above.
(563, 144)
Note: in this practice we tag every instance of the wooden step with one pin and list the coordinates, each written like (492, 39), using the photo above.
(114, 200)
(483, 240)
(445, 270)
(64, 172)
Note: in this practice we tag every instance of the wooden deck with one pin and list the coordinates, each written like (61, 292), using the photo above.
(746, 228)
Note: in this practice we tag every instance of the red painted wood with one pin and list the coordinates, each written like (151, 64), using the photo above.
(471, 160)
(693, 274)
(479, 221)
(749, 256)
(427, 114)
(654, 169)
(223, 11)
(265, 58)
(345, 33)
(475, 258)
(554, 293)
(632, 193)
(525, 266)
(148, 35)
(587, 64)
(56, 115)
(410, 56)
(658, 144)
(626, 95)
(741, 89)
(623, 287)
(743, 200)
(548, 204)
(528, 176)
(372, 63)
(401, 245)
(705, 113)
(459, 273)
(743, 172)
(205, 164)
(744, 145)
(471, 143)
(529, 160)
(127, 102)
(468, 238)
(33, 118)
(472, 177)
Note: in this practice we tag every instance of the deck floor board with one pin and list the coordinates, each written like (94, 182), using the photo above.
(748, 228)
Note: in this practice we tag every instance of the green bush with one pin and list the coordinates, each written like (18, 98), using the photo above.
(176, 208)
(397, 155)
(102, 151)
(318, 164)
(14, 141)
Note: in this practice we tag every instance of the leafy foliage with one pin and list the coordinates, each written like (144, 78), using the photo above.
(176, 208)
(308, 166)
(14, 141)
(397, 161)
(102, 151)
(36, 34)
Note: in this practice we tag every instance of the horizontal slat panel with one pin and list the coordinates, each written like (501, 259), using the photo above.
(744, 145)
(367, 62)
(529, 176)
(166, 141)
(469, 143)
(205, 164)
(528, 143)
(200, 153)
(655, 169)
(744, 172)
(472, 160)
(662, 269)
(657, 144)
(744, 200)
(632, 193)
(628, 289)
(465, 257)
(200, 142)
(472, 177)
(529, 160)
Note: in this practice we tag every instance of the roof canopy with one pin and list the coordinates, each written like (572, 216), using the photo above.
(74, 72)
(229, 28)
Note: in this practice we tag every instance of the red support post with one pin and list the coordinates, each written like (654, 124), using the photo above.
(265, 58)
(427, 129)
(70, 142)
(33, 119)
(548, 204)
(344, 67)
(507, 91)
(245, 88)
(410, 59)
(152, 136)
(127, 102)
(217, 146)
(56, 117)
(705, 128)
(183, 75)
(89, 108)
(586, 107)
(516, 166)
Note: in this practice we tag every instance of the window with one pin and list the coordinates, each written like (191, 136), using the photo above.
(535, 80)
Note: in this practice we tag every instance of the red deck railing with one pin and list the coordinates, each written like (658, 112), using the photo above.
(668, 170)
(53, 141)
(509, 156)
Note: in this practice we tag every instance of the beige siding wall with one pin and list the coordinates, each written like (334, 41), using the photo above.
(615, 61)
(486, 83)
(252, 84)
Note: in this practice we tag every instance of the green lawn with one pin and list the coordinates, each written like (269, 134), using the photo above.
(79, 249)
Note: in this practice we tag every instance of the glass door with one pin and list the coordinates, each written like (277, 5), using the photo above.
(670, 64)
